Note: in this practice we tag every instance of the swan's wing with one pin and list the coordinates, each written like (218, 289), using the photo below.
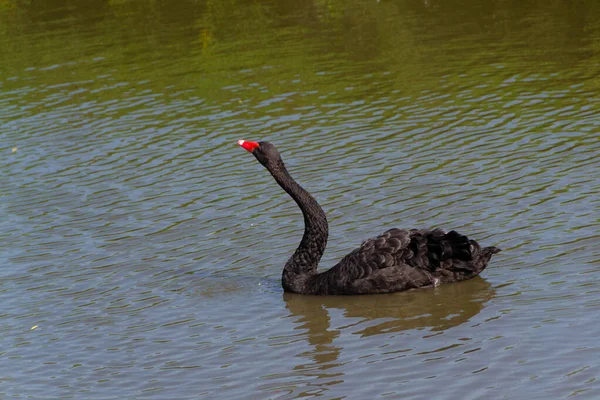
(401, 259)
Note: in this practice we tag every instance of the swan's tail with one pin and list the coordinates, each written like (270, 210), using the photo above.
(458, 253)
(482, 258)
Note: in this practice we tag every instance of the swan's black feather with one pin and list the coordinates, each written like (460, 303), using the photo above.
(402, 259)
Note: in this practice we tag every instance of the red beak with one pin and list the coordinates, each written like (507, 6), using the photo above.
(250, 146)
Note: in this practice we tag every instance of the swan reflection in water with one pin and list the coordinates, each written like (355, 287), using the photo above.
(433, 310)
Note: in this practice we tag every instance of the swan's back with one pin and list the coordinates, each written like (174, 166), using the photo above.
(402, 259)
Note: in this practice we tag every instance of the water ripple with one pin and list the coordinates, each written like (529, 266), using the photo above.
(143, 249)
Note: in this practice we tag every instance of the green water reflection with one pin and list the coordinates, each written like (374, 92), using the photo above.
(318, 45)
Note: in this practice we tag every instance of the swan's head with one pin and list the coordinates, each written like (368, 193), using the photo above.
(264, 152)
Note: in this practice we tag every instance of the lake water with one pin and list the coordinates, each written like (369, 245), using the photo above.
(142, 249)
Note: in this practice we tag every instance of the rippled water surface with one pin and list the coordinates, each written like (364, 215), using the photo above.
(142, 248)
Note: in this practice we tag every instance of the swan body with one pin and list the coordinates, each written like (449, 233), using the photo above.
(397, 260)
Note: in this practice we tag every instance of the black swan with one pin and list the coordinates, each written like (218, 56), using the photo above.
(397, 260)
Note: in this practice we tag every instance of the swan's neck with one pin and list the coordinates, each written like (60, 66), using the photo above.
(303, 263)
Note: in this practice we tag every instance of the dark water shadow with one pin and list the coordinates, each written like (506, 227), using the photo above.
(433, 310)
